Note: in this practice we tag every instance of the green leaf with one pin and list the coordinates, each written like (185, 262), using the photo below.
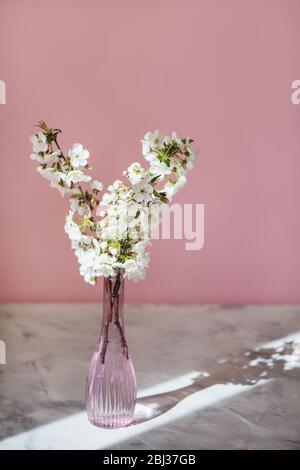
(155, 178)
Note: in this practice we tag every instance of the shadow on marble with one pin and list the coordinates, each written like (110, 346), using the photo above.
(253, 366)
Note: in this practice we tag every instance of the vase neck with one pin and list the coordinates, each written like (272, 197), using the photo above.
(113, 298)
(112, 330)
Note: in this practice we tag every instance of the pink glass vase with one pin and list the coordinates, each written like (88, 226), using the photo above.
(111, 383)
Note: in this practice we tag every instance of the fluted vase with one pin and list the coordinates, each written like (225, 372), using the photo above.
(111, 384)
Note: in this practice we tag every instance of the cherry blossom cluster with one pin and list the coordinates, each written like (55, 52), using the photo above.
(113, 232)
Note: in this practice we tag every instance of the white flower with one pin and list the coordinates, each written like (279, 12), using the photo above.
(39, 142)
(84, 240)
(88, 274)
(78, 155)
(143, 260)
(172, 187)
(103, 265)
(169, 190)
(105, 270)
(143, 192)
(135, 173)
(189, 165)
(119, 225)
(62, 189)
(106, 199)
(38, 158)
(109, 233)
(167, 139)
(126, 211)
(135, 268)
(193, 152)
(133, 208)
(151, 140)
(74, 233)
(130, 266)
(152, 159)
(176, 139)
(116, 185)
(76, 207)
(96, 185)
(71, 228)
(75, 176)
(105, 258)
(160, 168)
(179, 183)
(140, 247)
(51, 158)
(88, 258)
(50, 174)
(47, 158)
(93, 265)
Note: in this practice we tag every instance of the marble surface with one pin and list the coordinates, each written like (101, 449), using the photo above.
(209, 377)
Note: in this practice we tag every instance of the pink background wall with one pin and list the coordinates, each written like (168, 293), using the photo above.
(106, 72)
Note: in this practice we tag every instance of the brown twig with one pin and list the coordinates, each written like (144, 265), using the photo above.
(84, 197)
(58, 146)
(114, 305)
(111, 304)
(105, 343)
(110, 316)
(87, 201)
(121, 331)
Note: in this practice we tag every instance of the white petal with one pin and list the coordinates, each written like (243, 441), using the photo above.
(84, 154)
(77, 148)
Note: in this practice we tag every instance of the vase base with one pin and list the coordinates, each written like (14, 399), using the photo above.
(111, 423)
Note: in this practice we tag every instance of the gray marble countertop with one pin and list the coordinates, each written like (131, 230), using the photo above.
(209, 377)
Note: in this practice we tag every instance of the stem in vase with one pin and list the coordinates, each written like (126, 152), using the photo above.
(121, 331)
(105, 342)
(114, 303)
